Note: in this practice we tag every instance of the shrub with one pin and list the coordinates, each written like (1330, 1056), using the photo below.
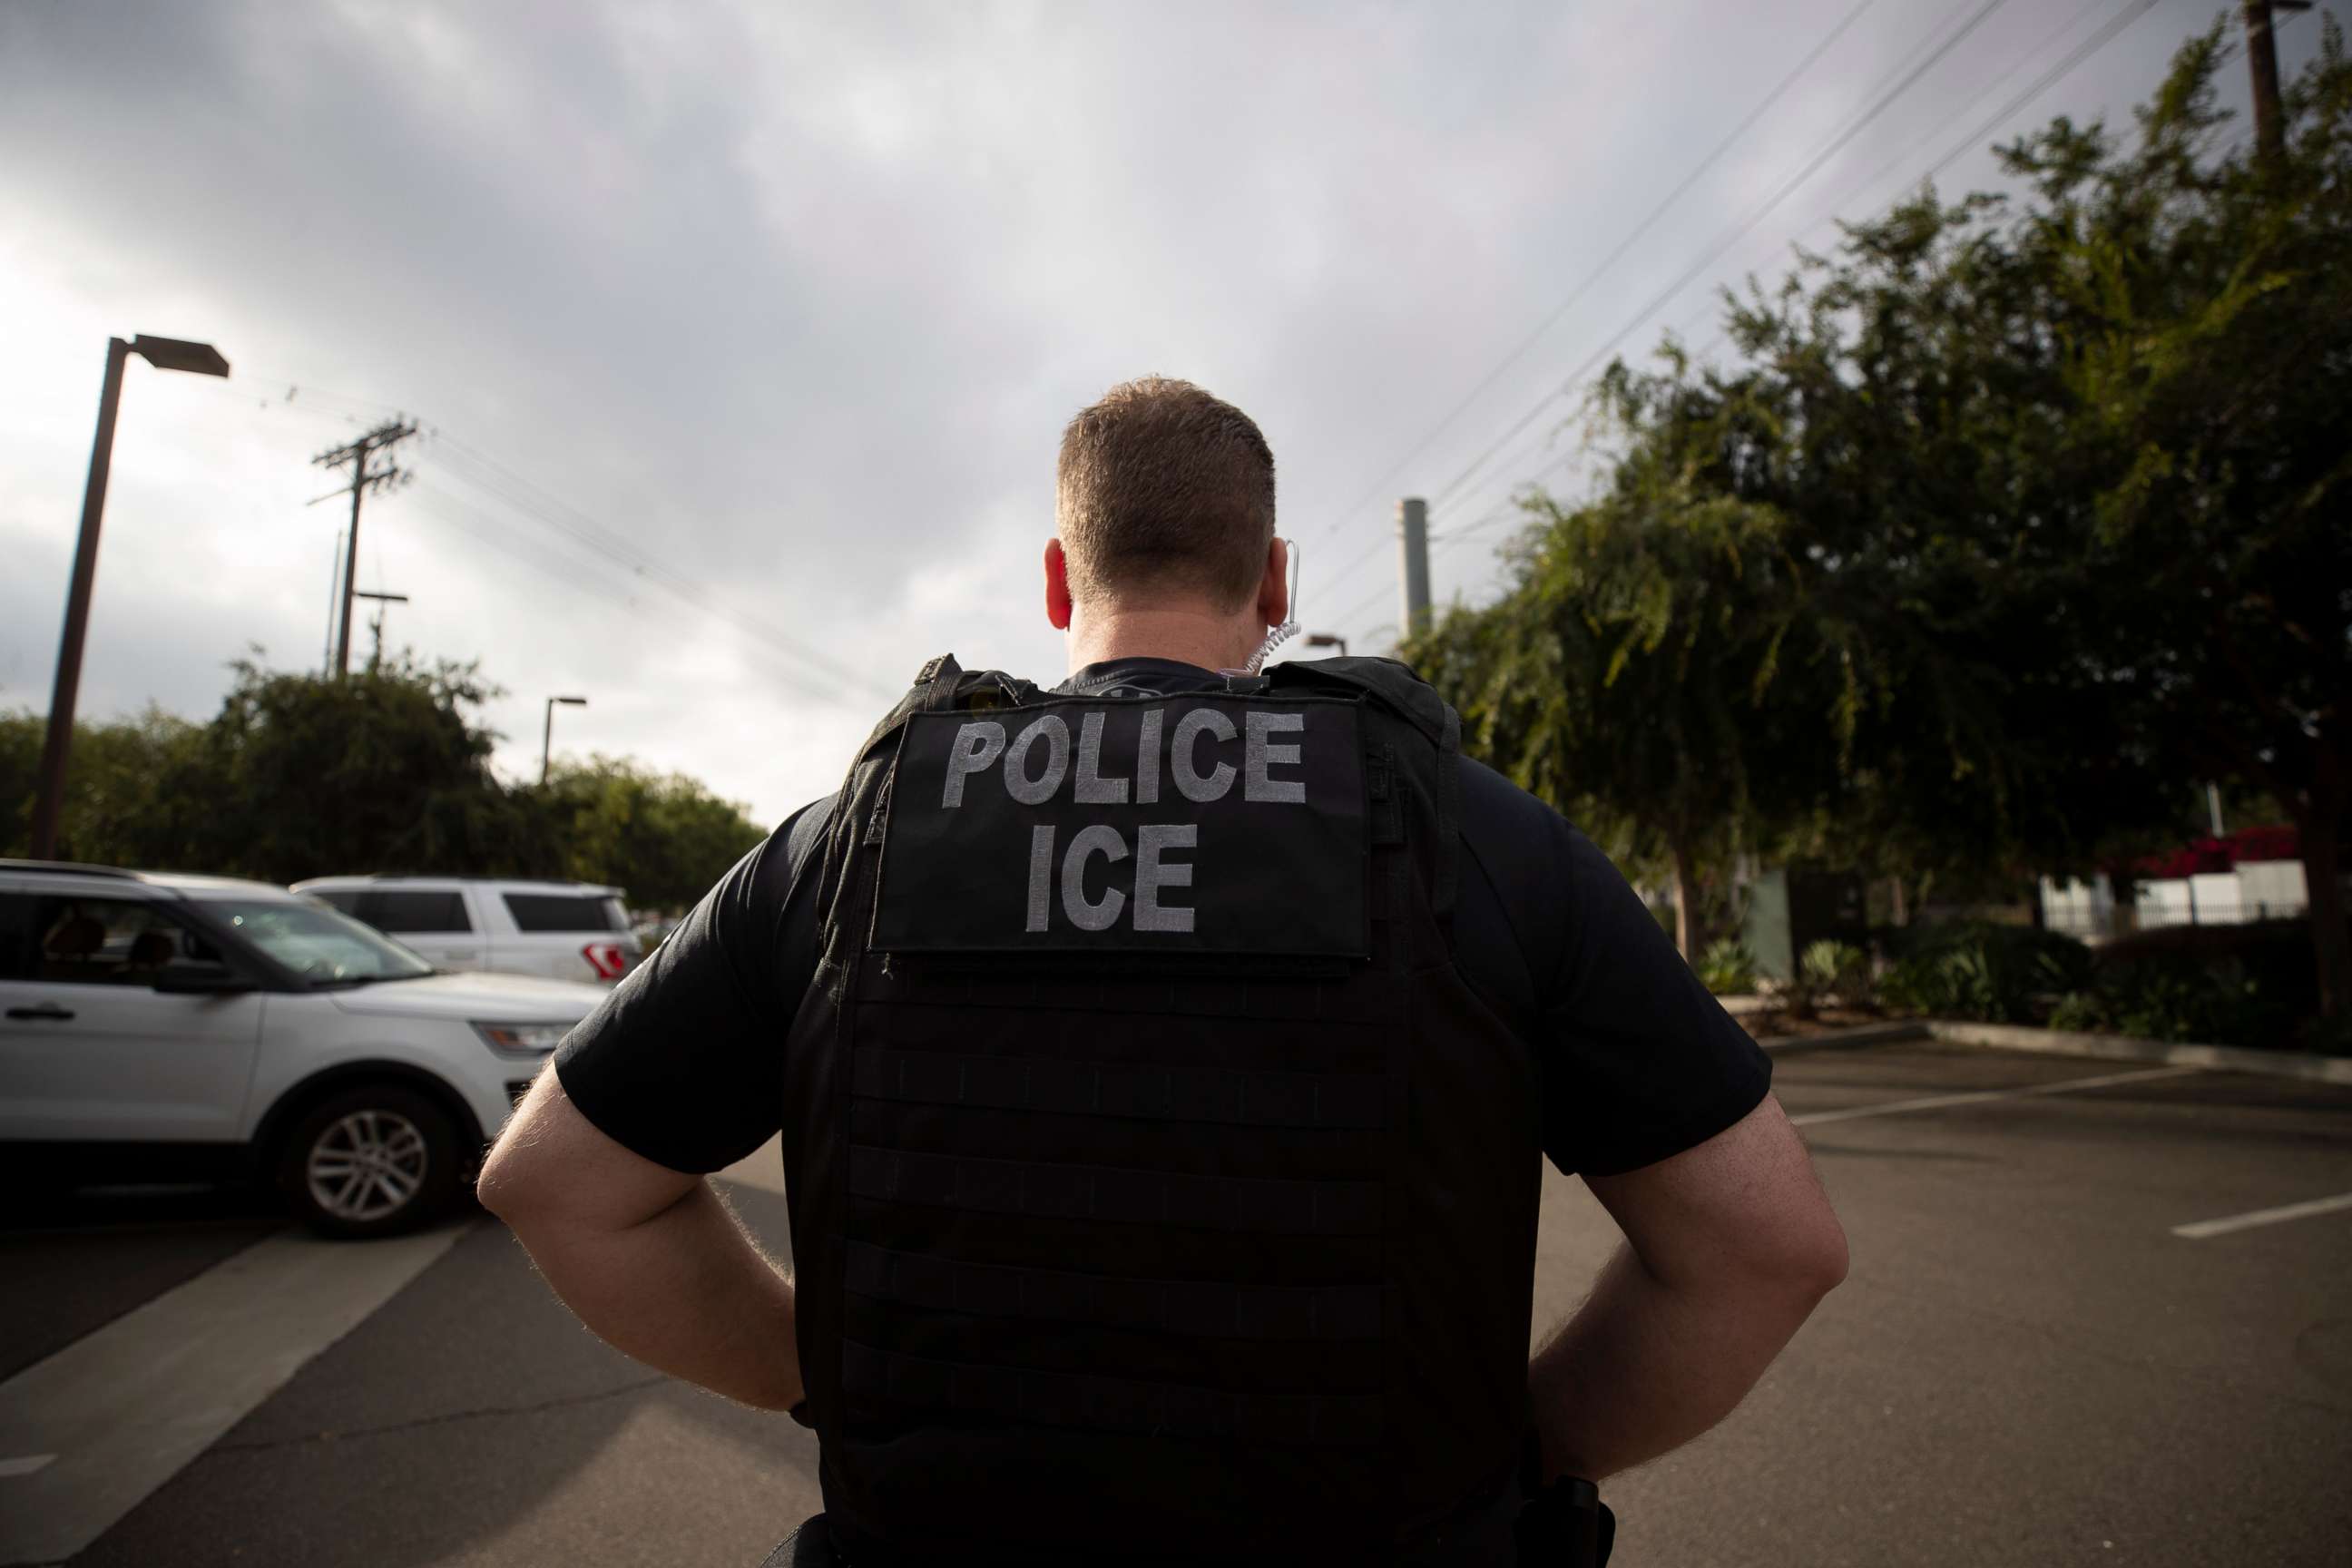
(1988, 974)
(2215, 1004)
(1726, 967)
(1839, 969)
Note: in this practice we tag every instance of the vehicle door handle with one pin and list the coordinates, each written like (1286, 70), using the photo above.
(48, 1010)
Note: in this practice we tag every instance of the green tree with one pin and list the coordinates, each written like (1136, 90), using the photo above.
(387, 770)
(2212, 374)
(2053, 489)
(665, 838)
(1657, 651)
(134, 787)
(381, 771)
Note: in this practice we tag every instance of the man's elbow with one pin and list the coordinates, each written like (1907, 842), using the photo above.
(1793, 1263)
(1814, 1261)
(1831, 1257)
(502, 1188)
(515, 1183)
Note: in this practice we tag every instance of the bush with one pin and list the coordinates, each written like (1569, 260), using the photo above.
(2250, 984)
(1838, 969)
(1726, 967)
(1985, 973)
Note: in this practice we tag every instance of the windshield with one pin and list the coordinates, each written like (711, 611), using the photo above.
(322, 946)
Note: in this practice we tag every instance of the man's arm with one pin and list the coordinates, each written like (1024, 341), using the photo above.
(651, 1258)
(1731, 1247)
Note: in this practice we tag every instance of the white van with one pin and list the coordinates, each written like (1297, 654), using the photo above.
(563, 930)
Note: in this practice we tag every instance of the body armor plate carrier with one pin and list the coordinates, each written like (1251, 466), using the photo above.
(1159, 1191)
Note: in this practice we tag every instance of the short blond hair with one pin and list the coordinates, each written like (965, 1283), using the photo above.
(1163, 486)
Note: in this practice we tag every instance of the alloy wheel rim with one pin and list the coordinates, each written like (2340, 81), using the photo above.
(367, 1165)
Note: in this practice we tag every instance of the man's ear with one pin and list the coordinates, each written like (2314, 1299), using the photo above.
(1274, 586)
(1057, 586)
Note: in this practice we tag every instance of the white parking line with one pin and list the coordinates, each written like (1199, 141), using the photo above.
(123, 1409)
(1981, 1096)
(2205, 1227)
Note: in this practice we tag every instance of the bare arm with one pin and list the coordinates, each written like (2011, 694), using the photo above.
(1730, 1245)
(650, 1259)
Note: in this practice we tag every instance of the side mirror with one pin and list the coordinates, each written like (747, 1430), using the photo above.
(203, 980)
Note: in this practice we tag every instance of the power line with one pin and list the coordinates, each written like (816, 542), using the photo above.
(536, 502)
(1970, 140)
(1856, 187)
(1903, 77)
(2073, 60)
(447, 507)
(1812, 167)
(2080, 53)
(1974, 138)
(1730, 140)
(553, 513)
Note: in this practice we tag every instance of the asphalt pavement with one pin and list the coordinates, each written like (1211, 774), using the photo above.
(2029, 1365)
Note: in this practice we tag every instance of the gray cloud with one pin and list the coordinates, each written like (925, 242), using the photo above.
(794, 301)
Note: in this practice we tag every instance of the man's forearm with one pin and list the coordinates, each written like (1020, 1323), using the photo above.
(1643, 1367)
(685, 1291)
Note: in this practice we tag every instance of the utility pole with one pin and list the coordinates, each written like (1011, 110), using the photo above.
(2262, 61)
(334, 599)
(1412, 542)
(359, 454)
(375, 622)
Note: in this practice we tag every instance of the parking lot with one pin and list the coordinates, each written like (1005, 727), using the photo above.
(2031, 1362)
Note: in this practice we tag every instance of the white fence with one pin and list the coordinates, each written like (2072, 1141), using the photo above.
(2258, 891)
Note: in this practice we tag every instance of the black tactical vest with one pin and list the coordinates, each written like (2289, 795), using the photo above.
(1159, 1191)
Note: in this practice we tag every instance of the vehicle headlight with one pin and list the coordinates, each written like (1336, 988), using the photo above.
(523, 1039)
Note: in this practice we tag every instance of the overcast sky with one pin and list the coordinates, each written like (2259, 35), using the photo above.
(742, 335)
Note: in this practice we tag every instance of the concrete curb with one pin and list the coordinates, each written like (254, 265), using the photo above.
(2124, 1049)
(1851, 1038)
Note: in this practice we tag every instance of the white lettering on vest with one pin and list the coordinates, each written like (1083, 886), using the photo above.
(1093, 789)
(1146, 759)
(1258, 754)
(1039, 790)
(1199, 788)
(1041, 877)
(977, 744)
(1153, 873)
(1087, 842)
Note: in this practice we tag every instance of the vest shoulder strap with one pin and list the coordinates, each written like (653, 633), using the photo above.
(1398, 688)
(1395, 684)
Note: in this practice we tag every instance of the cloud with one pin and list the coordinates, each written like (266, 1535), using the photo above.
(787, 305)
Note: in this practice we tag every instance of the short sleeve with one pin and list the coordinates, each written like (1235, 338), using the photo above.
(1641, 1062)
(1637, 1061)
(683, 1063)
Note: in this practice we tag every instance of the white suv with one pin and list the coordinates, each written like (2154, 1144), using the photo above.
(566, 930)
(162, 1026)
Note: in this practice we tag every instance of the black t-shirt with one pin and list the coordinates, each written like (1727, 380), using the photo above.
(683, 1063)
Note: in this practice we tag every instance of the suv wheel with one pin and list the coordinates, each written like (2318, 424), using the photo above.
(371, 1160)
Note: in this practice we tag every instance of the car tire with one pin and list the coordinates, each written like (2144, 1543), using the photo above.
(373, 1159)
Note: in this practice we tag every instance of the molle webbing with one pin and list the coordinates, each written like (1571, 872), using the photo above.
(1111, 1230)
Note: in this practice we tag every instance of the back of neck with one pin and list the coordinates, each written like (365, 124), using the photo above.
(1206, 639)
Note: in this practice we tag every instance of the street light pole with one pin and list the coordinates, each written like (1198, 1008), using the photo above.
(164, 353)
(1327, 640)
(547, 731)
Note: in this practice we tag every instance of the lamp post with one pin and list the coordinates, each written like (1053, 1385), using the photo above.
(164, 353)
(1327, 640)
(547, 731)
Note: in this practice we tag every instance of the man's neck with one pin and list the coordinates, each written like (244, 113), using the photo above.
(1208, 638)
